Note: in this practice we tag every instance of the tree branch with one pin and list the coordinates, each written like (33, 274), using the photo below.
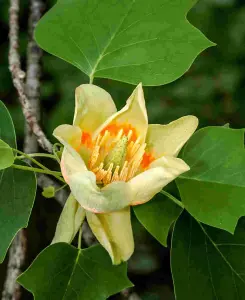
(11, 290)
(18, 77)
(33, 74)
(18, 249)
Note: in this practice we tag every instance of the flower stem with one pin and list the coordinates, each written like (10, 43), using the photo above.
(55, 151)
(37, 155)
(61, 188)
(30, 157)
(171, 197)
(48, 172)
(27, 156)
(91, 79)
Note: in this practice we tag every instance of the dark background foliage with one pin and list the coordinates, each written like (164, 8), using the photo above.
(213, 90)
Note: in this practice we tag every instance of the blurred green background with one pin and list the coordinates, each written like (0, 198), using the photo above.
(213, 90)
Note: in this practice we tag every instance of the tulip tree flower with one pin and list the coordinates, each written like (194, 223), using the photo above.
(113, 160)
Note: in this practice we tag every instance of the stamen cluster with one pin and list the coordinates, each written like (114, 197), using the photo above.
(108, 172)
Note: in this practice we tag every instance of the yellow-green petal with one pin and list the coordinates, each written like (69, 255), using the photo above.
(70, 220)
(162, 171)
(169, 139)
(71, 163)
(133, 113)
(93, 106)
(112, 197)
(68, 135)
(114, 232)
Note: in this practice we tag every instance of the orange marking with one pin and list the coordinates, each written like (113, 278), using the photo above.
(115, 128)
(86, 139)
(148, 158)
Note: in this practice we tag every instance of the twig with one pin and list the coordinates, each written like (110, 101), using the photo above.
(18, 77)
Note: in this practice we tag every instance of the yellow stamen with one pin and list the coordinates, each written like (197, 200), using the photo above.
(107, 178)
(115, 156)
(115, 176)
(104, 138)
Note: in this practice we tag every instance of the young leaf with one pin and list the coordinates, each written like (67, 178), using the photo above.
(129, 40)
(17, 190)
(214, 188)
(157, 216)
(64, 272)
(207, 263)
(6, 155)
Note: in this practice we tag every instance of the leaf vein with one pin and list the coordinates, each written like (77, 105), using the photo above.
(129, 65)
(72, 273)
(221, 254)
(78, 47)
(129, 45)
(109, 42)
(209, 268)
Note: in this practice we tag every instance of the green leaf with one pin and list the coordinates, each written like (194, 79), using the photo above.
(17, 189)
(157, 216)
(17, 195)
(7, 132)
(207, 263)
(6, 155)
(129, 40)
(64, 272)
(213, 191)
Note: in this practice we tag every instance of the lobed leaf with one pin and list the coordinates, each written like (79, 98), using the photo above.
(128, 40)
(214, 188)
(157, 216)
(207, 263)
(64, 272)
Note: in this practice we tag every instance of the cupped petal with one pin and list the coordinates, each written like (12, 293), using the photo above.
(169, 139)
(162, 171)
(71, 161)
(133, 116)
(68, 135)
(114, 232)
(70, 221)
(93, 106)
(112, 197)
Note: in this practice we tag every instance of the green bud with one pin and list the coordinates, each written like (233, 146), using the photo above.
(48, 192)
(117, 155)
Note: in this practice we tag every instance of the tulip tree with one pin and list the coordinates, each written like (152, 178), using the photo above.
(113, 161)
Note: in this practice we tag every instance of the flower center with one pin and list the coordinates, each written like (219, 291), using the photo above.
(117, 154)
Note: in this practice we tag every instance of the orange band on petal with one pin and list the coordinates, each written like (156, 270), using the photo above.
(148, 158)
(86, 139)
(115, 128)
